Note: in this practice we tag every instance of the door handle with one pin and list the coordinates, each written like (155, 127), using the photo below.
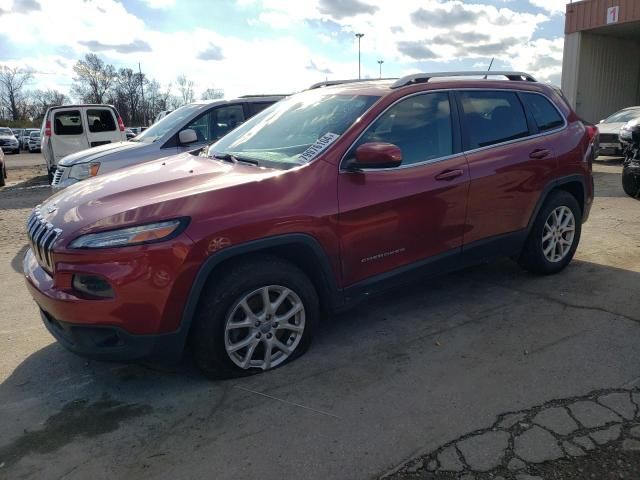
(449, 174)
(540, 153)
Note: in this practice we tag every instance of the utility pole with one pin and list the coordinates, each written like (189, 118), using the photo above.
(359, 35)
(144, 112)
(380, 62)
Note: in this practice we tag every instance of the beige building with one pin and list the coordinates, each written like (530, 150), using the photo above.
(601, 64)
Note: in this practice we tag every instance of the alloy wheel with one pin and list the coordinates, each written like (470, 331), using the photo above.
(558, 234)
(264, 327)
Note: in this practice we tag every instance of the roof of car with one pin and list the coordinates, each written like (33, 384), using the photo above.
(438, 80)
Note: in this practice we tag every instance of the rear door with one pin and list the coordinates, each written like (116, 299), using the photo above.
(509, 163)
(102, 126)
(68, 132)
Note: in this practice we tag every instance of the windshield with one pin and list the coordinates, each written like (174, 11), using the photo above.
(5, 131)
(168, 123)
(295, 130)
(623, 116)
(34, 134)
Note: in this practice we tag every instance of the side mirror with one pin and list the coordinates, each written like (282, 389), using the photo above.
(187, 136)
(601, 121)
(376, 155)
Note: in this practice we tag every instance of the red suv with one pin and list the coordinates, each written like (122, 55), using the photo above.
(320, 199)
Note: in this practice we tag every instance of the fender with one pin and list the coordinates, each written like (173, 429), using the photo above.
(554, 184)
(332, 293)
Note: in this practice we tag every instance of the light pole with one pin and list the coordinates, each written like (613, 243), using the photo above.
(380, 62)
(359, 35)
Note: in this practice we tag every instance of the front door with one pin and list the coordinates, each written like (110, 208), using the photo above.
(397, 217)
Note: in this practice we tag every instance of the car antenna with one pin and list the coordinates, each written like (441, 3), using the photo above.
(489, 69)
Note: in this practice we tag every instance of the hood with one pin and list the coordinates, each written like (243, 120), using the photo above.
(96, 153)
(610, 127)
(7, 137)
(157, 190)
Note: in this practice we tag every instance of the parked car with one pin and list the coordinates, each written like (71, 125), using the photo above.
(73, 128)
(25, 137)
(3, 169)
(319, 200)
(188, 128)
(609, 129)
(18, 132)
(34, 142)
(8, 141)
(129, 134)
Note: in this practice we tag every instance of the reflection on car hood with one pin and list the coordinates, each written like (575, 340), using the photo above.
(161, 189)
(7, 137)
(96, 153)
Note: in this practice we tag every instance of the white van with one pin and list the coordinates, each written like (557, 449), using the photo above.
(72, 128)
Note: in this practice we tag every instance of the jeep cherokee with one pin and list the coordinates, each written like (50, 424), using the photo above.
(322, 198)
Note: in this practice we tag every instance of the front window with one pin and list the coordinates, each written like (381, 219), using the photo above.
(5, 131)
(295, 130)
(172, 121)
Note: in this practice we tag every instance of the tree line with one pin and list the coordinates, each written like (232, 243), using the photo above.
(137, 97)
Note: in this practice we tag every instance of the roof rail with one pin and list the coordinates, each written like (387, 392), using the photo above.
(330, 83)
(265, 95)
(425, 77)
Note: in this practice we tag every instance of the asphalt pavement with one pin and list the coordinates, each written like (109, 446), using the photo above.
(385, 390)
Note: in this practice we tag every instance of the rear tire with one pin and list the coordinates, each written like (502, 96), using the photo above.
(630, 182)
(233, 311)
(555, 235)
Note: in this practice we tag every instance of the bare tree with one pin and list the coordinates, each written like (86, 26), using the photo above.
(185, 86)
(12, 82)
(38, 101)
(94, 78)
(128, 95)
(212, 94)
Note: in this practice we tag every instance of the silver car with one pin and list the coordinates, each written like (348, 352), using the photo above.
(609, 130)
(188, 128)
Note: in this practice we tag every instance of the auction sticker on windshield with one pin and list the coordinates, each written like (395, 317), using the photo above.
(318, 147)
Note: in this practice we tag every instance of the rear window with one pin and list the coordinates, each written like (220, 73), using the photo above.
(100, 120)
(67, 123)
(492, 117)
(544, 113)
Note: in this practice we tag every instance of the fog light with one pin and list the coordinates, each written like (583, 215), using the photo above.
(93, 286)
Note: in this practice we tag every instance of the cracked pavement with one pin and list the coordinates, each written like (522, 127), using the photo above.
(540, 365)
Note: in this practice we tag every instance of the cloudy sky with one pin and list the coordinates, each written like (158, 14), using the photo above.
(279, 46)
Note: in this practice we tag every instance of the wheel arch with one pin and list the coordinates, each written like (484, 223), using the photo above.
(573, 184)
(301, 250)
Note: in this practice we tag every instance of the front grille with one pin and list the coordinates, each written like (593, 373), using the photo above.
(5, 142)
(609, 138)
(42, 236)
(58, 175)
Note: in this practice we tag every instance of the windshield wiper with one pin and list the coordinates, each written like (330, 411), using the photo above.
(233, 158)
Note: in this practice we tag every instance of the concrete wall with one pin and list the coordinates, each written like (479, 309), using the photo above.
(608, 74)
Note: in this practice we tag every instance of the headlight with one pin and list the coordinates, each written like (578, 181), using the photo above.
(124, 237)
(84, 170)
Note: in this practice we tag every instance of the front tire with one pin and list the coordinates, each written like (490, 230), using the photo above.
(554, 237)
(3, 176)
(256, 315)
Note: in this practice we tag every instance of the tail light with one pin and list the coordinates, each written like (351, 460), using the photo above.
(592, 131)
(47, 128)
(120, 124)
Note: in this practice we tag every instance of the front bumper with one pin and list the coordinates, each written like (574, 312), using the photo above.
(10, 148)
(142, 320)
(112, 343)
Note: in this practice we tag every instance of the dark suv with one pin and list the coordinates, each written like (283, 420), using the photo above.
(322, 198)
